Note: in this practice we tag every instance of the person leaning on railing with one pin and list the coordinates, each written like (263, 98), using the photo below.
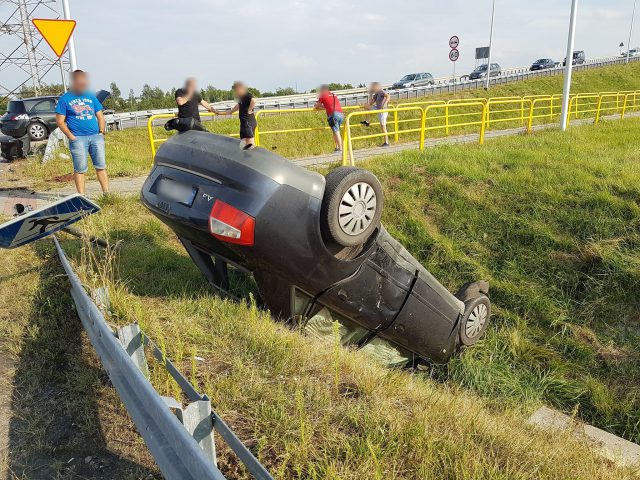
(329, 101)
(380, 100)
(189, 101)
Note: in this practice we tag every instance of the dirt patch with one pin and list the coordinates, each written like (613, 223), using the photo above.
(64, 178)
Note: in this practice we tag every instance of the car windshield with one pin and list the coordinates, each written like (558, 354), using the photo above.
(16, 107)
(406, 78)
(481, 68)
(540, 60)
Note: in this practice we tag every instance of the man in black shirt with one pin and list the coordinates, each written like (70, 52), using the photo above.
(245, 107)
(189, 101)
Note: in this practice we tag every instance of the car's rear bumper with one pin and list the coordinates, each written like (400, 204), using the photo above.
(14, 128)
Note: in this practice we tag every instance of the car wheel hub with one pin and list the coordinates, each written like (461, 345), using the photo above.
(476, 320)
(37, 131)
(357, 209)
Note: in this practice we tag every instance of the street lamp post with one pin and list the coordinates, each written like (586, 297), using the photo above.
(493, 16)
(71, 44)
(631, 30)
(569, 65)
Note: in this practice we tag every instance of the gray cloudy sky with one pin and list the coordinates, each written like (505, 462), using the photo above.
(276, 43)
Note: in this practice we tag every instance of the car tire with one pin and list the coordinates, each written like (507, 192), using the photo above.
(475, 320)
(37, 131)
(351, 206)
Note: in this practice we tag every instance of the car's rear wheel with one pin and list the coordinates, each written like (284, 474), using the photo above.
(352, 206)
(475, 320)
(37, 131)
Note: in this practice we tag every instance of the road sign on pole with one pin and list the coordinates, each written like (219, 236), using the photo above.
(566, 91)
(55, 32)
(454, 55)
(454, 42)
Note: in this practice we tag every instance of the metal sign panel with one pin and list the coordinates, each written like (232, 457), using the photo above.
(454, 42)
(482, 53)
(454, 55)
(55, 32)
(45, 221)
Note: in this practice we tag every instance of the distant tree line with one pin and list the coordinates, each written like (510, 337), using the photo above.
(152, 98)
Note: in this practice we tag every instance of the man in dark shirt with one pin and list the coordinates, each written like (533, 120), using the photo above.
(189, 101)
(245, 107)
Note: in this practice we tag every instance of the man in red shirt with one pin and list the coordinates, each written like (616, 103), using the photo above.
(329, 101)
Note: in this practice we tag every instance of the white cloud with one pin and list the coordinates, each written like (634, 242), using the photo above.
(292, 60)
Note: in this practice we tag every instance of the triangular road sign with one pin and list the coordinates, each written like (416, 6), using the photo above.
(56, 32)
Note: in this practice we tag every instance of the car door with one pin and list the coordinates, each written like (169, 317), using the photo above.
(45, 111)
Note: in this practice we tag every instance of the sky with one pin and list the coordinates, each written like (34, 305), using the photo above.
(289, 43)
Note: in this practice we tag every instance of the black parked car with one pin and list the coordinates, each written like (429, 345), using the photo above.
(542, 64)
(314, 244)
(35, 117)
(481, 71)
(578, 58)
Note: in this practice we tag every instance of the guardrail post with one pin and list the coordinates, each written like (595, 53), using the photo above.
(485, 111)
(198, 421)
(598, 109)
(345, 142)
(130, 338)
(423, 125)
(624, 106)
(446, 119)
(396, 123)
(150, 130)
(531, 111)
(349, 141)
(256, 132)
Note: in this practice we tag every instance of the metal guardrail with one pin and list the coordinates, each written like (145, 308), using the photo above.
(357, 96)
(183, 450)
(486, 113)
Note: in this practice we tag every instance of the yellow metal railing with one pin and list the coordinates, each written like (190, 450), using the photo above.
(259, 133)
(347, 149)
(440, 117)
(151, 126)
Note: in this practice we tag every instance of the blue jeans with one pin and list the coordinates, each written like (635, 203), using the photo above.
(338, 118)
(84, 146)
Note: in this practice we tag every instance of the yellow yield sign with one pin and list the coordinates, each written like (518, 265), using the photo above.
(55, 32)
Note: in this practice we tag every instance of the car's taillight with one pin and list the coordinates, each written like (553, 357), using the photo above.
(22, 116)
(231, 225)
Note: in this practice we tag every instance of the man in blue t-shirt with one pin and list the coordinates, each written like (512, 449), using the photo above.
(79, 116)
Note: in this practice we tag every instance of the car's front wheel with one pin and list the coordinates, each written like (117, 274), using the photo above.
(37, 131)
(475, 320)
(351, 206)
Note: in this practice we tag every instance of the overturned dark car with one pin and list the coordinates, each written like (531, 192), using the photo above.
(315, 246)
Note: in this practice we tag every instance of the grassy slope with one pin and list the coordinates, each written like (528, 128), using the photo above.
(128, 151)
(552, 221)
(310, 409)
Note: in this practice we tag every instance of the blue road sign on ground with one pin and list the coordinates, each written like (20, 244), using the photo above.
(43, 222)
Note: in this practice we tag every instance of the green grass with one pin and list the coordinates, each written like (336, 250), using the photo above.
(552, 221)
(129, 154)
(309, 409)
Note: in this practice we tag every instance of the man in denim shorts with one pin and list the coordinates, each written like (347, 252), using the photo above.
(329, 101)
(79, 116)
